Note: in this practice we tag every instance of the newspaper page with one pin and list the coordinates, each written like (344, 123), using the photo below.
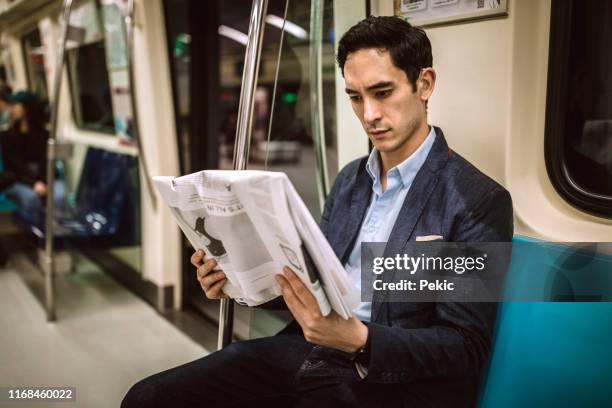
(254, 223)
(340, 291)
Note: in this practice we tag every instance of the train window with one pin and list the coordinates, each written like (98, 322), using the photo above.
(291, 147)
(88, 72)
(578, 139)
(203, 66)
(206, 44)
(35, 63)
(286, 120)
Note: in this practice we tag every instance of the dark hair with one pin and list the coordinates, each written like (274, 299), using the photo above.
(34, 108)
(408, 46)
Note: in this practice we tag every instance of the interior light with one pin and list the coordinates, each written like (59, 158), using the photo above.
(233, 34)
(290, 27)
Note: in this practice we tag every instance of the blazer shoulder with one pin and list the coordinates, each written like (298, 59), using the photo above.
(466, 180)
(352, 167)
(347, 174)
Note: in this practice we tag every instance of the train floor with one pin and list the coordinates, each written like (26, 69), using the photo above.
(105, 339)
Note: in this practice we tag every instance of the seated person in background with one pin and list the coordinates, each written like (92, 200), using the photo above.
(5, 108)
(411, 186)
(24, 147)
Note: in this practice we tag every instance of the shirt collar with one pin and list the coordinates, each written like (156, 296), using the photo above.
(407, 169)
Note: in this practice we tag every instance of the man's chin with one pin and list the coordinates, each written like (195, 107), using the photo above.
(384, 146)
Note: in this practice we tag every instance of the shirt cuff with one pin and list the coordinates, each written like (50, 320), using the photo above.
(361, 370)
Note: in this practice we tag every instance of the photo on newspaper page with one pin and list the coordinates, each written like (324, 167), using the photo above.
(213, 219)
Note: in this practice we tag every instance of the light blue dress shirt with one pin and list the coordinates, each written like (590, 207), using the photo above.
(384, 208)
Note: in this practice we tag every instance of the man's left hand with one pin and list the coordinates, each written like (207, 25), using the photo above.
(328, 331)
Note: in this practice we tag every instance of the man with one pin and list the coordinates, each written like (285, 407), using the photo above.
(411, 185)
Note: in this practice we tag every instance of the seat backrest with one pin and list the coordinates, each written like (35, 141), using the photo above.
(6, 205)
(555, 353)
(103, 188)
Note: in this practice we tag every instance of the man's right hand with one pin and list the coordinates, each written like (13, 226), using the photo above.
(211, 280)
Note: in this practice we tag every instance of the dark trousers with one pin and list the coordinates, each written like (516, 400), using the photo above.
(283, 370)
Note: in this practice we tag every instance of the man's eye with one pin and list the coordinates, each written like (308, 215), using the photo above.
(355, 98)
(383, 94)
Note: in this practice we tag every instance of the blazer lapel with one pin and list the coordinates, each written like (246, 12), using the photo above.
(360, 196)
(412, 209)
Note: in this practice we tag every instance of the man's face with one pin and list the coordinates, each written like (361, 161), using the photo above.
(383, 99)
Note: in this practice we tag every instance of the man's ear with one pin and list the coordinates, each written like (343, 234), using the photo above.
(426, 83)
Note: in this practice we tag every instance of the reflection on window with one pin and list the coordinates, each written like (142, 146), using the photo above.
(35, 63)
(88, 72)
(177, 14)
(579, 110)
(291, 146)
(90, 88)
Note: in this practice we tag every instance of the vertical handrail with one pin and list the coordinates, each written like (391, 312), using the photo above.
(249, 84)
(128, 20)
(50, 207)
(243, 133)
(278, 62)
(316, 98)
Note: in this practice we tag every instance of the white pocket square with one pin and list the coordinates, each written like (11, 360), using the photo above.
(429, 238)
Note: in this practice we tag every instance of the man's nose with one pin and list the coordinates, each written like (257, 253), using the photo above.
(371, 112)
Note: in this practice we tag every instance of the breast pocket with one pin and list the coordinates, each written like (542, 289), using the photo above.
(427, 238)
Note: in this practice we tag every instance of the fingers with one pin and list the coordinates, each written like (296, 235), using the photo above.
(300, 290)
(214, 292)
(212, 278)
(288, 293)
(291, 300)
(211, 281)
(206, 268)
(196, 258)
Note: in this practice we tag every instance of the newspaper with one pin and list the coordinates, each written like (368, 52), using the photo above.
(254, 223)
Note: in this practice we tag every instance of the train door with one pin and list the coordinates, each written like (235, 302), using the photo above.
(100, 181)
(111, 64)
(99, 93)
(296, 116)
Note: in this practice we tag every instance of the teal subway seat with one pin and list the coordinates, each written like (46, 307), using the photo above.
(555, 353)
(6, 205)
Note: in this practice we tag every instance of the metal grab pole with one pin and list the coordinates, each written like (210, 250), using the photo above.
(50, 207)
(249, 84)
(129, 37)
(316, 98)
(243, 133)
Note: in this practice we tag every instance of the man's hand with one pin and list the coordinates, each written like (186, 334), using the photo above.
(211, 280)
(328, 331)
(40, 188)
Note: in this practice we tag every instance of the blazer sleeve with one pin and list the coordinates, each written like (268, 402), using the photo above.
(458, 342)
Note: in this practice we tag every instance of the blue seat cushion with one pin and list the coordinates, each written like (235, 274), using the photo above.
(101, 194)
(6, 205)
(554, 353)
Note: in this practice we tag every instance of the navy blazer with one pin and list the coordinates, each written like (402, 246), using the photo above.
(432, 352)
